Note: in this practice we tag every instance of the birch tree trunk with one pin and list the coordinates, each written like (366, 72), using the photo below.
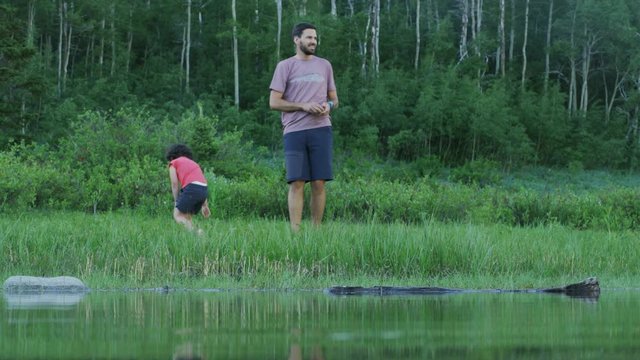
(375, 38)
(462, 52)
(632, 135)
(103, 26)
(429, 16)
(436, 15)
(236, 75)
(334, 10)
(573, 102)
(183, 54)
(67, 52)
(303, 8)
(476, 26)
(524, 45)
(256, 19)
(586, 59)
(129, 40)
(473, 22)
(408, 17)
(187, 64)
(88, 55)
(547, 50)
(365, 44)
(512, 32)
(501, 53)
(30, 22)
(200, 20)
(63, 4)
(479, 15)
(416, 61)
(279, 15)
(113, 40)
(632, 115)
(610, 101)
(587, 52)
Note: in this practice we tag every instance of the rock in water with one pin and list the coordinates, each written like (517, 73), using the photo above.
(35, 284)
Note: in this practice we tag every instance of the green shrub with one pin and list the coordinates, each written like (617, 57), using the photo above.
(429, 166)
(480, 172)
(30, 182)
(252, 197)
(407, 145)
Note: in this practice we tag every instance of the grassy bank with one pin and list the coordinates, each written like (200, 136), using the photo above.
(134, 250)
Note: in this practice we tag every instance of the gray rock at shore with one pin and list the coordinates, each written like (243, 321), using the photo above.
(35, 284)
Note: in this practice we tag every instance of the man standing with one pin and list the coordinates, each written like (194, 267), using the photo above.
(304, 90)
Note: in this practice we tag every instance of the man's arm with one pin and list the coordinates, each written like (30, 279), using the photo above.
(333, 96)
(276, 102)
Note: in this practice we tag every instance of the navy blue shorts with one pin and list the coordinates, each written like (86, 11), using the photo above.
(308, 154)
(191, 198)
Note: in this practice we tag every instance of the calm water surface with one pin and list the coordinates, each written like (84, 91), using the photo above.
(313, 325)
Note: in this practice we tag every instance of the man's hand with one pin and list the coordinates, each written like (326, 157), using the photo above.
(205, 211)
(313, 108)
(325, 108)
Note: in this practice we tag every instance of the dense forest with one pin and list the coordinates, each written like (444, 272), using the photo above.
(546, 82)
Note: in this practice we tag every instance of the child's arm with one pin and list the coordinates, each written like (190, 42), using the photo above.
(205, 209)
(175, 183)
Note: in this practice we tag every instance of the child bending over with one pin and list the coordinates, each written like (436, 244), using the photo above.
(188, 186)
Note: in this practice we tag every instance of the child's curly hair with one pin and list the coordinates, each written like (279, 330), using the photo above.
(177, 150)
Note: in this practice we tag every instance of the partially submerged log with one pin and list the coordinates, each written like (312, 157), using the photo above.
(588, 288)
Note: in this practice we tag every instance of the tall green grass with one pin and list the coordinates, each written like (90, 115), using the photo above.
(126, 249)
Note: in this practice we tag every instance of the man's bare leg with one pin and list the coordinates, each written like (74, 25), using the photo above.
(182, 218)
(318, 201)
(296, 204)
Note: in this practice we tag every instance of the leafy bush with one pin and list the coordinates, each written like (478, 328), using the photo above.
(407, 145)
(480, 172)
(250, 197)
(429, 166)
(30, 182)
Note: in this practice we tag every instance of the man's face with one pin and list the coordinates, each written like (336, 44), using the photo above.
(307, 42)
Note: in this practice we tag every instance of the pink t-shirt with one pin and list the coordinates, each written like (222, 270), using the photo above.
(303, 81)
(188, 171)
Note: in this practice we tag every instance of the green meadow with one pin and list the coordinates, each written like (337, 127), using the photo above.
(125, 249)
(98, 206)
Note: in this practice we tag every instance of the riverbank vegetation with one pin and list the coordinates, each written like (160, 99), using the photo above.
(122, 249)
(115, 161)
(98, 206)
(440, 136)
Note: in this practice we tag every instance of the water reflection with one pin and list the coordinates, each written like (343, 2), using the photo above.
(295, 350)
(312, 325)
(42, 301)
(187, 351)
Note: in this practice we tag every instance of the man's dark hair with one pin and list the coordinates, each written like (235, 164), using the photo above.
(177, 150)
(300, 27)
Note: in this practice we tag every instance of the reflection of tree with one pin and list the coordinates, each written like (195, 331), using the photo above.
(295, 350)
(186, 352)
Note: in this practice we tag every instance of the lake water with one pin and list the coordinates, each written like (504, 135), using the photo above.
(314, 325)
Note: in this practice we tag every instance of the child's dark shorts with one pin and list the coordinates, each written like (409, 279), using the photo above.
(308, 154)
(191, 198)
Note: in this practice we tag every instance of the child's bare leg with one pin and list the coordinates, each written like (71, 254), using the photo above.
(182, 218)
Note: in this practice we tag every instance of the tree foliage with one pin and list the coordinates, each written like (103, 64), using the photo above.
(62, 58)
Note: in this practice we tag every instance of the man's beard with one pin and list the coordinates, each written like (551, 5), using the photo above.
(306, 50)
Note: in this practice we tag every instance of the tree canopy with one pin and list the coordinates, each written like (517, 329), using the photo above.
(548, 82)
